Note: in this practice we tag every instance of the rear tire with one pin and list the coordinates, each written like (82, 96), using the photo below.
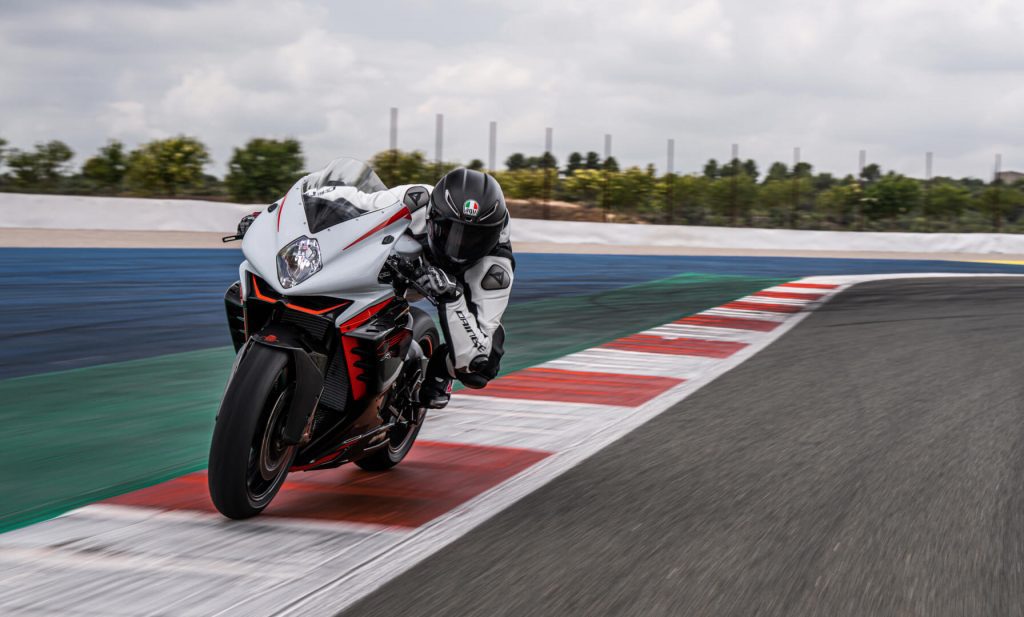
(248, 462)
(401, 441)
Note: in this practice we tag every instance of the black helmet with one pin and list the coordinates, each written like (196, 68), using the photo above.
(466, 215)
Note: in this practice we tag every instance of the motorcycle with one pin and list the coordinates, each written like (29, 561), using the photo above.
(330, 351)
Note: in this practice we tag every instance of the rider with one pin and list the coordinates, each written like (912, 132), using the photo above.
(464, 230)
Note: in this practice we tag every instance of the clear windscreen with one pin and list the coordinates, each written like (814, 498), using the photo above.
(345, 189)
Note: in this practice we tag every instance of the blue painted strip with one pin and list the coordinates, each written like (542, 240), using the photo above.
(67, 308)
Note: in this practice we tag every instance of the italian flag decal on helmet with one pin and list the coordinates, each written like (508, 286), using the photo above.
(471, 208)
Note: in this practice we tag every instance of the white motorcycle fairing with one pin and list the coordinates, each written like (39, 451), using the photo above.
(353, 252)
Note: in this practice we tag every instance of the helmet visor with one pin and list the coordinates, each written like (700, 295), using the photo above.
(463, 242)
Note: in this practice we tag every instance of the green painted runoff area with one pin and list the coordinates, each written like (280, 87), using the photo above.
(75, 437)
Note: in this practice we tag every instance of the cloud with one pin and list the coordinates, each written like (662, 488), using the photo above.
(897, 77)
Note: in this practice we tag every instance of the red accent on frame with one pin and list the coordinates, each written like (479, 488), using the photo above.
(767, 307)
(401, 214)
(303, 309)
(788, 295)
(259, 294)
(810, 285)
(433, 479)
(295, 307)
(354, 372)
(546, 384)
(735, 323)
(280, 209)
(646, 343)
(363, 317)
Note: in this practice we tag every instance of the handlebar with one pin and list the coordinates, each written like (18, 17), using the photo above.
(408, 273)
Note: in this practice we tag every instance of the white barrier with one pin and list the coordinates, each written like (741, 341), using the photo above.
(117, 213)
(572, 232)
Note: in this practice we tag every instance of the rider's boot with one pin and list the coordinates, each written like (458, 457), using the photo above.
(436, 390)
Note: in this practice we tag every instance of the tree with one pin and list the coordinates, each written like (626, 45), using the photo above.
(823, 181)
(610, 164)
(42, 169)
(264, 169)
(997, 201)
(3, 146)
(871, 173)
(733, 196)
(516, 161)
(521, 183)
(841, 201)
(575, 162)
(750, 168)
(395, 167)
(167, 166)
(893, 194)
(947, 199)
(730, 169)
(778, 171)
(547, 161)
(476, 165)
(711, 169)
(106, 170)
(584, 185)
(593, 160)
(776, 196)
(803, 170)
(632, 189)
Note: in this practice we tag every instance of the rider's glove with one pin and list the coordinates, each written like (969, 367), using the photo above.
(245, 223)
(439, 284)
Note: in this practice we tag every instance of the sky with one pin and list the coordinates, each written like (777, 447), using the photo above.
(896, 78)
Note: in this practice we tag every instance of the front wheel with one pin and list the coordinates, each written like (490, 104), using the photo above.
(402, 436)
(248, 460)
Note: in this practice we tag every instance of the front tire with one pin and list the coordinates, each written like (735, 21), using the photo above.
(248, 461)
(401, 439)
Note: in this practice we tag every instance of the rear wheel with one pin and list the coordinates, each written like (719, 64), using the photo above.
(402, 436)
(248, 460)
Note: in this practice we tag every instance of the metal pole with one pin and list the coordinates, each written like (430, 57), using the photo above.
(604, 185)
(796, 188)
(670, 178)
(438, 145)
(492, 149)
(998, 167)
(928, 166)
(547, 172)
(393, 147)
(863, 162)
(735, 164)
(393, 141)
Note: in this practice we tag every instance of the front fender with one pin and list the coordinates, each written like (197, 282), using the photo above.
(309, 380)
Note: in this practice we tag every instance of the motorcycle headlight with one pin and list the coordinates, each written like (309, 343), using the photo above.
(298, 261)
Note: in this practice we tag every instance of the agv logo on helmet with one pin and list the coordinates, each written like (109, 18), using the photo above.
(471, 208)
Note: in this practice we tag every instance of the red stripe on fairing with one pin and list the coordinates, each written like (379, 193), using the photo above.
(788, 295)
(810, 285)
(556, 385)
(767, 307)
(401, 214)
(348, 345)
(734, 323)
(432, 480)
(363, 317)
(647, 343)
(354, 372)
(280, 209)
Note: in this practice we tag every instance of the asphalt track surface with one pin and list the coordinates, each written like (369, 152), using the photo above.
(870, 462)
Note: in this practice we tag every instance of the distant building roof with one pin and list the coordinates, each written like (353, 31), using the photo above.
(1010, 177)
